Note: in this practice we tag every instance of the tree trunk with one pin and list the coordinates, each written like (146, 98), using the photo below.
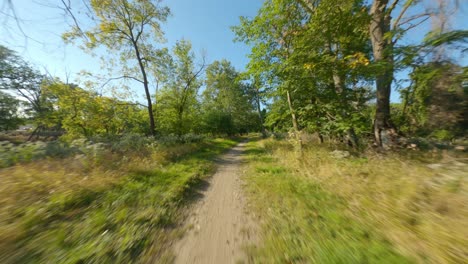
(320, 136)
(351, 137)
(293, 114)
(259, 111)
(147, 92)
(382, 48)
(294, 121)
(180, 117)
(150, 108)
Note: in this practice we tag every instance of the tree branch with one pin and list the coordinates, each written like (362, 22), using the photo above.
(402, 13)
(308, 5)
(393, 5)
(119, 78)
(409, 19)
(67, 8)
(410, 27)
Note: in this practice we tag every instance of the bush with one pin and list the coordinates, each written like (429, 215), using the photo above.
(131, 142)
(442, 135)
(12, 154)
(192, 138)
(94, 151)
(58, 149)
(172, 139)
(168, 140)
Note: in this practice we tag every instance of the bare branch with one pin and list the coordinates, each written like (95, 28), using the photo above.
(392, 6)
(133, 104)
(67, 8)
(409, 19)
(402, 13)
(120, 78)
(411, 26)
(417, 24)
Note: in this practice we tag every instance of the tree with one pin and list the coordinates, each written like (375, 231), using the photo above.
(314, 54)
(17, 76)
(179, 102)
(128, 29)
(384, 35)
(271, 34)
(9, 116)
(320, 57)
(82, 113)
(382, 46)
(435, 102)
(227, 103)
(257, 94)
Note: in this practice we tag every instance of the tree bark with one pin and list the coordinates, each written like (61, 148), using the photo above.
(147, 92)
(351, 137)
(180, 117)
(259, 111)
(293, 114)
(294, 121)
(382, 48)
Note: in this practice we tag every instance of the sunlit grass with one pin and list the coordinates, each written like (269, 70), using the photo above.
(373, 209)
(110, 209)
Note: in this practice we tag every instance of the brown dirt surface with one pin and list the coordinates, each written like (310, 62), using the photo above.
(219, 227)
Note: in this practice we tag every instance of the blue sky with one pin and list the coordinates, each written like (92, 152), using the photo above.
(206, 23)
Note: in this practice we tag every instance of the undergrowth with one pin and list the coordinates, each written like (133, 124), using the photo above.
(110, 208)
(373, 209)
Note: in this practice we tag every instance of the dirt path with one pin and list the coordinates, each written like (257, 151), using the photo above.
(219, 226)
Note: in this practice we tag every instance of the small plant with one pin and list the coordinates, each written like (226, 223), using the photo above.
(443, 135)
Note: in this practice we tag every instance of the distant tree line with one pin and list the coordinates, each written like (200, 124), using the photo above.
(313, 68)
(225, 106)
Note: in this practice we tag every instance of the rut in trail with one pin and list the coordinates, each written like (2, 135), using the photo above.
(219, 227)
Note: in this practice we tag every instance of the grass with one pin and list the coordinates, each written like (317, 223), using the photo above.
(114, 209)
(371, 209)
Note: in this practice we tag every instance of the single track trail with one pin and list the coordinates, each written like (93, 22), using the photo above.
(219, 228)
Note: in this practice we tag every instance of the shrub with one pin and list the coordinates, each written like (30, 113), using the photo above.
(192, 138)
(172, 139)
(59, 149)
(168, 140)
(12, 154)
(131, 142)
(442, 135)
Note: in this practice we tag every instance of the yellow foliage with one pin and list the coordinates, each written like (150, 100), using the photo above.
(309, 66)
(358, 59)
(107, 27)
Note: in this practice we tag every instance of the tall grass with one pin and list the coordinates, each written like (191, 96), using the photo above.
(368, 209)
(112, 207)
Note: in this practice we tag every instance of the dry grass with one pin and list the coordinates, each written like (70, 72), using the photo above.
(422, 211)
(109, 208)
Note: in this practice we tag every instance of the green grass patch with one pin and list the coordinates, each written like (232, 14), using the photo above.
(120, 215)
(304, 223)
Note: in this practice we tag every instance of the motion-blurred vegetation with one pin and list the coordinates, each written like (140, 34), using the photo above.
(91, 173)
(364, 208)
(103, 204)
